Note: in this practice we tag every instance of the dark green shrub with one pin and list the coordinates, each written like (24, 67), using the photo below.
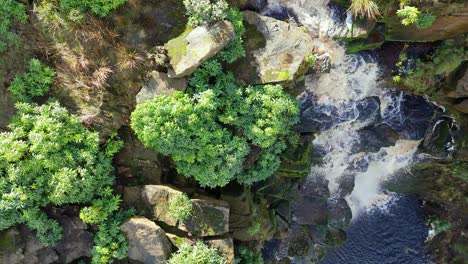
(245, 255)
(11, 11)
(99, 7)
(36, 82)
(47, 158)
(198, 253)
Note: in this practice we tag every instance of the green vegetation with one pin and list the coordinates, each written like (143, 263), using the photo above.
(411, 15)
(205, 12)
(99, 7)
(47, 158)
(11, 11)
(210, 132)
(364, 8)
(198, 253)
(180, 207)
(245, 255)
(424, 77)
(34, 83)
(440, 226)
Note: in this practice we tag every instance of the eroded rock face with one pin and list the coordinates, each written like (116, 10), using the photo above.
(159, 83)
(147, 241)
(209, 218)
(192, 48)
(275, 49)
(156, 198)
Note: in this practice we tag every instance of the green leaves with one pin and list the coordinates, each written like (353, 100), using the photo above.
(180, 207)
(198, 253)
(11, 11)
(99, 7)
(34, 83)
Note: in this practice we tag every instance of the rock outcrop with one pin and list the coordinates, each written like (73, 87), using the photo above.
(76, 241)
(147, 241)
(159, 83)
(209, 218)
(193, 47)
(276, 51)
(156, 198)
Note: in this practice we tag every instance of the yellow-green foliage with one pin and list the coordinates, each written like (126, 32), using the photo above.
(11, 12)
(364, 8)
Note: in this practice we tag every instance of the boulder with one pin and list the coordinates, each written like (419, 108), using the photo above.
(225, 247)
(276, 51)
(76, 242)
(309, 210)
(462, 107)
(209, 218)
(438, 141)
(159, 83)
(193, 47)
(136, 164)
(156, 198)
(147, 241)
(374, 137)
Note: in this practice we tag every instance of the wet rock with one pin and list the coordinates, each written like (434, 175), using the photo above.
(319, 117)
(209, 218)
(322, 63)
(335, 237)
(192, 48)
(147, 241)
(248, 4)
(409, 115)
(339, 213)
(273, 57)
(296, 243)
(225, 247)
(375, 137)
(136, 164)
(438, 141)
(462, 107)
(159, 83)
(156, 198)
(308, 210)
(296, 161)
(76, 241)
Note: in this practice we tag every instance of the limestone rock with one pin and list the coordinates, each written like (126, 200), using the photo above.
(275, 49)
(225, 247)
(156, 198)
(209, 218)
(76, 242)
(159, 83)
(147, 241)
(192, 48)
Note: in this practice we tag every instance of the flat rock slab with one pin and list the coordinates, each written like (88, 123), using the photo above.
(147, 241)
(193, 47)
(275, 49)
(159, 83)
(209, 218)
(156, 198)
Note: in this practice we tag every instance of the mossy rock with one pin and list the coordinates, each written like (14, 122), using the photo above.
(296, 162)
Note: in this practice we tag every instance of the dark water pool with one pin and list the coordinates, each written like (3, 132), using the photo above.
(392, 236)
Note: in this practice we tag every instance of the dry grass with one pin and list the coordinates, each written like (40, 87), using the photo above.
(128, 59)
(364, 8)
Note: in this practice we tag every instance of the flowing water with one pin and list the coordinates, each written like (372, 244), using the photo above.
(385, 227)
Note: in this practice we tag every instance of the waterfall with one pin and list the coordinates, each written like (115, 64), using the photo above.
(339, 93)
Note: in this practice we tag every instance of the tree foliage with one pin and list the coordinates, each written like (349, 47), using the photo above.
(47, 158)
(11, 11)
(199, 253)
(180, 207)
(34, 83)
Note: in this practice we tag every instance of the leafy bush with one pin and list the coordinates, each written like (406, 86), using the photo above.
(99, 7)
(47, 158)
(198, 253)
(34, 83)
(180, 207)
(235, 49)
(425, 20)
(205, 12)
(364, 8)
(245, 255)
(409, 15)
(11, 11)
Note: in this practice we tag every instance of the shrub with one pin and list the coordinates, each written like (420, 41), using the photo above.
(245, 255)
(47, 158)
(425, 20)
(409, 15)
(364, 8)
(180, 207)
(198, 253)
(34, 83)
(99, 7)
(205, 12)
(235, 49)
(11, 11)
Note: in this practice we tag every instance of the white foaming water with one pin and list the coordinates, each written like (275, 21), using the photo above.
(351, 79)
